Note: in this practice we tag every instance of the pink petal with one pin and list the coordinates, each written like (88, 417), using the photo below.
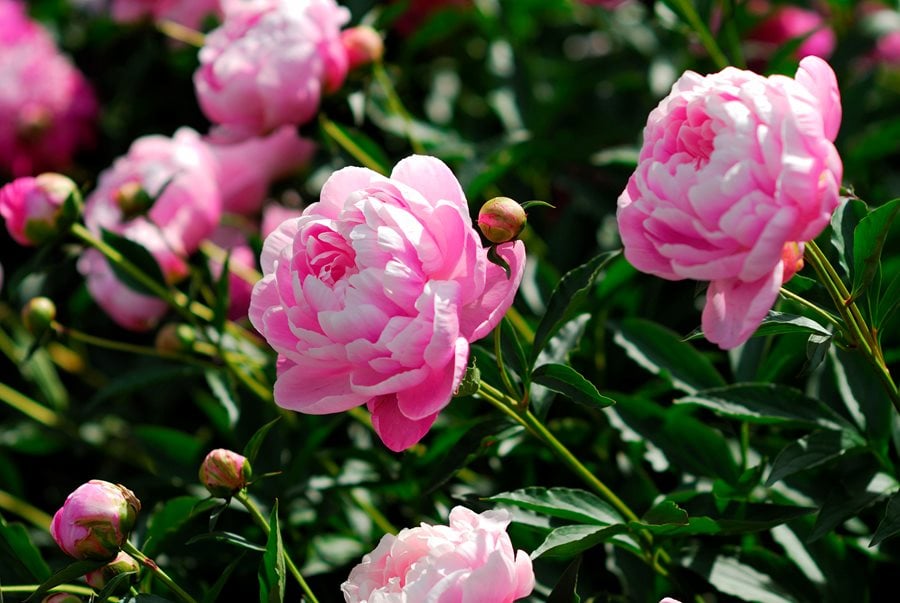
(396, 430)
(433, 179)
(734, 308)
(817, 76)
(316, 392)
(478, 318)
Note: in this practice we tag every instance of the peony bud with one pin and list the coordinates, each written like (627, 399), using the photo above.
(38, 314)
(95, 520)
(36, 208)
(122, 564)
(61, 598)
(224, 472)
(168, 339)
(363, 44)
(501, 219)
(133, 200)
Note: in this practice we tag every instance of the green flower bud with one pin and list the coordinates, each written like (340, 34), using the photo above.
(122, 564)
(38, 314)
(501, 219)
(224, 472)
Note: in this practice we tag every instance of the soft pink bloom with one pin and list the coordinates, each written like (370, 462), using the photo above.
(373, 295)
(273, 215)
(735, 173)
(887, 49)
(246, 169)
(470, 561)
(669, 600)
(269, 63)
(95, 520)
(33, 206)
(190, 13)
(784, 24)
(47, 108)
(179, 174)
(242, 263)
(363, 45)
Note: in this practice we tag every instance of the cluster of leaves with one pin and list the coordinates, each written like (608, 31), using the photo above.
(767, 474)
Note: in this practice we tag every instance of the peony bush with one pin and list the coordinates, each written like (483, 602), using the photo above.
(501, 301)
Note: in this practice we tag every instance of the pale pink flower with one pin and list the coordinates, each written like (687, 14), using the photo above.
(176, 177)
(47, 108)
(190, 13)
(273, 215)
(669, 600)
(373, 295)
(95, 520)
(245, 169)
(32, 207)
(470, 561)
(270, 62)
(735, 173)
(786, 23)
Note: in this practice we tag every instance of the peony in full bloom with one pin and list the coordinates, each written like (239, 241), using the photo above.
(95, 520)
(373, 295)
(470, 561)
(736, 172)
(33, 207)
(190, 13)
(269, 63)
(162, 194)
(47, 108)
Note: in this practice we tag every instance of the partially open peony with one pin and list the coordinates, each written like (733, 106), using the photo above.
(373, 295)
(736, 172)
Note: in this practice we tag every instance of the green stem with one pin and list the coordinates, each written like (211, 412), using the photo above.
(158, 572)
(263, 523)
(179, 32)
(34, 410)
(75, 589)
(397, 105)
(805, 302)
(348, 144)
(855, 328)
(498, 352)
(690, 14)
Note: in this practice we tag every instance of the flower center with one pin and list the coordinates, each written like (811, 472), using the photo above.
(330, 257)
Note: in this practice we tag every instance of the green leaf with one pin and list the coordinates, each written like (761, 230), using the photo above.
(565, 590)
(564, 503)
(568, 541)
(843, 503)
(221, 384)
(779, 323)
(212, 595)
(138, 255)
(868, 241)
(843, 224)
(666, 512)
(144, 598)
(220, 308)
(256, 440)
(271, 568)
(117, 584)
(72, 572)
(567, 381)
(708, 514)
(766, 403)
(513, 354)
(165, 443)
(359, 146)
(889, 302)
(811, 451)
(662, 352)
(18, 553)
(862, 394)
(571, 290)
(170, 517)
(229, 538)
(890, 523)
(733, 577)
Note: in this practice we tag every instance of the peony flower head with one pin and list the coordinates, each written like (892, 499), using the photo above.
(224, 472)
(47, 108)
(735, 173)
(34, 207)
(269, 63)
(95, 520)
(122, 563)
(784, 24)
(470, 561)
(373, 295)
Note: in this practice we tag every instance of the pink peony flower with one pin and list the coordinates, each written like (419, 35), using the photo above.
(373, 295)
(95, 520)
(242, 264)
(787, 23)
(190, 13)
(246, 169)
(32, 207)
(273, 215)
(269, 63)
(470, 561)
(735, 173)
(163, 195)
(47, 108)
(224, 472)
(887, 49)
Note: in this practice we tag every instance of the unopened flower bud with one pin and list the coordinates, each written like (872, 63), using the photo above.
(95, 520)
(168, 339)
(61, 598)
(133, 200)
(38, 314)
(501, 219)
(363, 44)
(122, 564)
(224, 472)
(35, 209)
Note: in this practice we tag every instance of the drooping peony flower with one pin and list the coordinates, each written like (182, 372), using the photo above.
(373, 295)
(785, 24)
(470, 561)
(95, 520)
(224, 472)
(736, 172)
(190, 13)
(47, 108)
(33, 207)
(163, 195)
(269, 63)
